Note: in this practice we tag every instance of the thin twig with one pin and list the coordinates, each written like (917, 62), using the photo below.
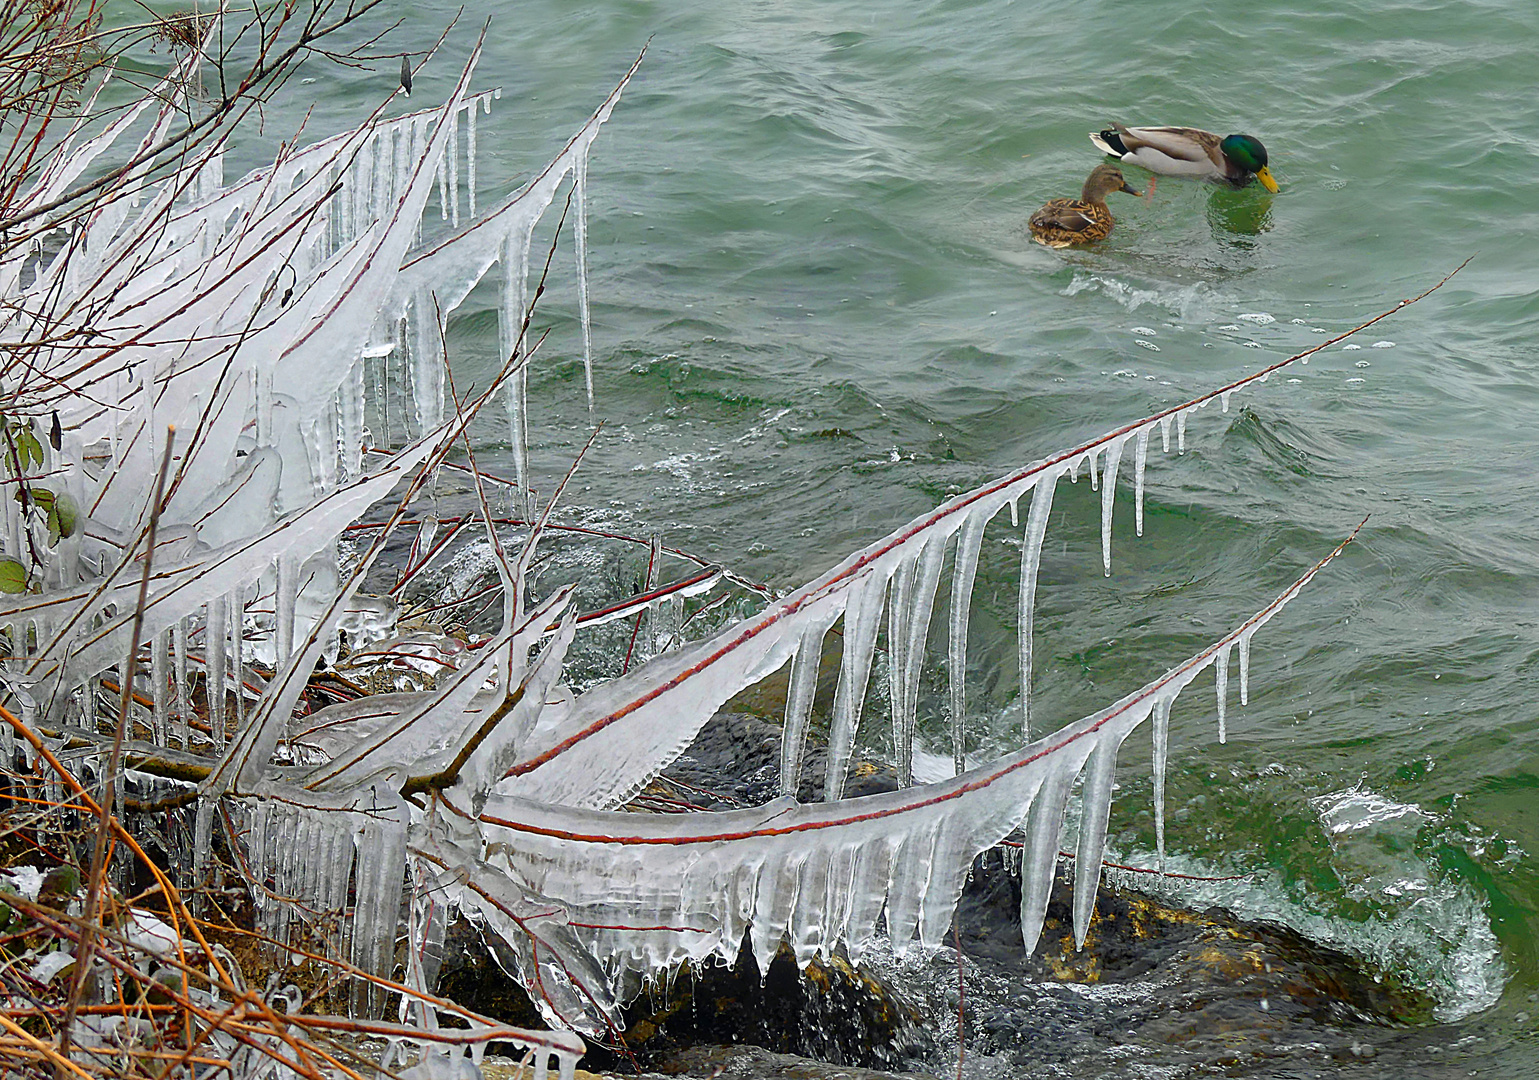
(109, 794)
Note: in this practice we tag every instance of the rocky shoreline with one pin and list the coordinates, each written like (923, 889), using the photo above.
(1154, 982)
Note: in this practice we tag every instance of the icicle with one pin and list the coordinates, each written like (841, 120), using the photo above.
(160, 680)
(1095, 811)
(1223, 399)
(1181, 431)
(363, 193)
(452, 156)
(405, 164)
(1161, 746)
(262, 382)
(1039, 860)
(214, 639)
(580, 198)
(515, 264)
(379, 206)
(286, 593)
(1031, 561)
(427, 363)
(1245, 668)
(862, 617)
(1015, 513)
(237, 660)
(1140, 458)
(1165, 433)
(183, 697)
(1221, 685)
(799, 696)
(202, 842)
(914, 631)
(350, 405)
(898, 604)
(964, 570)
(381, 395)
(1095, 481)
(470, 161)
(1108, 494)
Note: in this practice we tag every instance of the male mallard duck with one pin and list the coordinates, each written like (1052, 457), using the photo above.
(1180, 151)
(1066, 222)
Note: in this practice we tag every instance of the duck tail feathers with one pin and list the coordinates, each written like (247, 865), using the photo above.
(1109, 142)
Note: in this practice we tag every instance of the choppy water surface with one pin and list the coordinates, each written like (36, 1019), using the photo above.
(817, 312)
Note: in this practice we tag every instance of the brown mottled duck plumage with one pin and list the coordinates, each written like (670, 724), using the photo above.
(1069, 222)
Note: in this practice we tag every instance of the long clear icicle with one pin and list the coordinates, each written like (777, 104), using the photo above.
(515, 268)
(1095, 811)
(912, 630)
(1221, 689)
(452, 156)
(799, 696)
(470, 159)
(964, 571)
(1108, 495)
(1044, 826)
(898, 602)
(214, 640)
(286, 594)
(862, 617)
(1140, 458)
(183, 697)
(1245, 668)
(160, 677)
(580, 199)
(237, 659)
(1031, 562)
(1161, 738)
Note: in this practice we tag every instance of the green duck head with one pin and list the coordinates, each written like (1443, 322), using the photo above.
(1247, 152)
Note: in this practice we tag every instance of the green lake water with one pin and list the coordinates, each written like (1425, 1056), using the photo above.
(817, 312)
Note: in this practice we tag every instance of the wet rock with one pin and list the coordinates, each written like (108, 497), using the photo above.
(735, 761)
(1219, 964)
(755, 1063)
(832, 1011)
(1154, 984)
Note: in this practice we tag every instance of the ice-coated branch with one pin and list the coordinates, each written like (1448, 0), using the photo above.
(821, 874)
(620, 734)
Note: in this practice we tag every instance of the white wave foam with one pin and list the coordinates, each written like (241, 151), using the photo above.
(1429, 927)
(1181, 302)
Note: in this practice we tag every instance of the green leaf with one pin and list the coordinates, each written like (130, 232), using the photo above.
(30, 449)
(13, 576)
(65, 514)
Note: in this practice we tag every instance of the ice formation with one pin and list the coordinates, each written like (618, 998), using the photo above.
(257, 326)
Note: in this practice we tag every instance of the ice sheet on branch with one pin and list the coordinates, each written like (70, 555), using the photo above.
(621, 733)
(646, 892)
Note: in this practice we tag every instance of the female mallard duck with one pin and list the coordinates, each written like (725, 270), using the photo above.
(1179, 151)
(1066, 222)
